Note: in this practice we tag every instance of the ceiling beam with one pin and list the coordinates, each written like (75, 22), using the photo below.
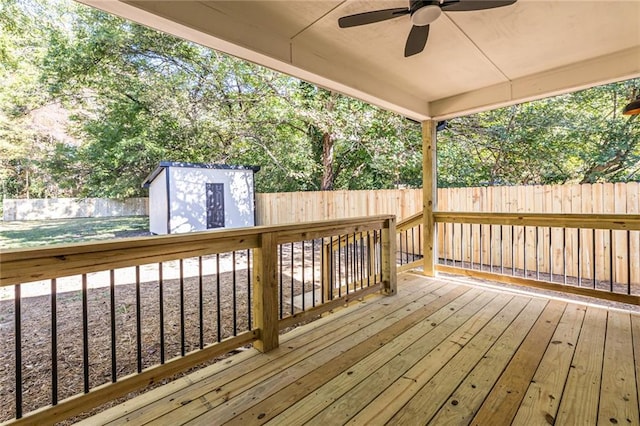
(617, 66)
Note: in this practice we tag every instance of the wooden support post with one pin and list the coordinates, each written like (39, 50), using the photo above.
(429, 196)
(265, 292)
(388, 247)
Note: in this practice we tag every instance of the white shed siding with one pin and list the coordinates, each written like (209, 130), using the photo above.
(158, 208)
(187, 186)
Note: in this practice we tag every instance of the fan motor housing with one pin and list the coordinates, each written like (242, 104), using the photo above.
(424, 12)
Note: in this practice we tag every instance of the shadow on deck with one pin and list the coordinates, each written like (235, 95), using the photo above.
(440, 352)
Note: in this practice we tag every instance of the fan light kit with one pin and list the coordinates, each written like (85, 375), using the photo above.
(422, 14)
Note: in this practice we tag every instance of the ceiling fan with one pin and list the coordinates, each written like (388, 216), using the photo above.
(422, 14)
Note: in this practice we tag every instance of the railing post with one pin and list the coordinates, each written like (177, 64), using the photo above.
(265, 292)
(388, 246)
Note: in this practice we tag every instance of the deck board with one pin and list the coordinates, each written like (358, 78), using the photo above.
(618, 394)
(579, 404)
(439, 352)
(540, 403)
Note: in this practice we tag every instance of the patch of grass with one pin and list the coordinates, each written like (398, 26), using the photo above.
(37, 233)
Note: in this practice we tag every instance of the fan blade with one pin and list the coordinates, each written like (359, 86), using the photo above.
(371, 17)
(467, 5)
(416, 41)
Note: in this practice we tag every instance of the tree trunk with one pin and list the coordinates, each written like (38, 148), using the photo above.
(327, 162)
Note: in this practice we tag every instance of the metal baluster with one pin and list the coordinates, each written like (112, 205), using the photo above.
(161, 311)
(513, 253)
(138, 322)
(453, 244)
(380, 257)
(331, 269)
(354, 261)
(281, 282)
(339, 267)
(369, 269)
(200, 304)
(112, 295)
(292, 283)
(490, 248)
(537, 255)
(481, 246)
(611, 260)
(182, 314)
(85, 335)
(303, 293)
(550, 256)
(313, 269)
(218, 300)
(462, 245)
(17, 312)
(445, 240)
(400, 248)
(471, 248)
(413, 244)
(501, 252)
(361, 262)
(346, 261)
(524, 249)
(564, 254)
(579, 260)
(54, 343)
(593, 260)
(234, 283)
(629, 263)
(249, 321)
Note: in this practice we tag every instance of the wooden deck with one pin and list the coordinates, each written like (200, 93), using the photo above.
(437, 353)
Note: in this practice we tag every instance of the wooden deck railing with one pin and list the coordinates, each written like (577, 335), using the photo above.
(589, 254)
(166, 304)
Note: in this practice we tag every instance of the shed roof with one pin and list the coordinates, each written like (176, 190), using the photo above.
(166, 164)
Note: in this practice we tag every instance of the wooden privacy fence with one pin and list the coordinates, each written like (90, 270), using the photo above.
(608, 198)
(609, 255)
(292, 207)
(295, 207)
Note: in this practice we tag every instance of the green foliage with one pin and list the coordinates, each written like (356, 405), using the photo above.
(579, 137)
(131, 97)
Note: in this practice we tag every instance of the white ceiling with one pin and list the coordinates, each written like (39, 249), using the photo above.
(473, 61)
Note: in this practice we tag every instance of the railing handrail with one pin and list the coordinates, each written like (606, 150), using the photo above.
(32, 264)
(410, 222)
(630, 222)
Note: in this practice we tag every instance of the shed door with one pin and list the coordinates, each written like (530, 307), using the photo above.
(215, 205)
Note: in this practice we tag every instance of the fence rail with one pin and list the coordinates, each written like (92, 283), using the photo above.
(204, 294)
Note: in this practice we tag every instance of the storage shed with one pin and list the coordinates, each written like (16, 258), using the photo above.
(187, 197)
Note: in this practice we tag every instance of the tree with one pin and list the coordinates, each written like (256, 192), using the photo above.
(129, 97)
(579, 137)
